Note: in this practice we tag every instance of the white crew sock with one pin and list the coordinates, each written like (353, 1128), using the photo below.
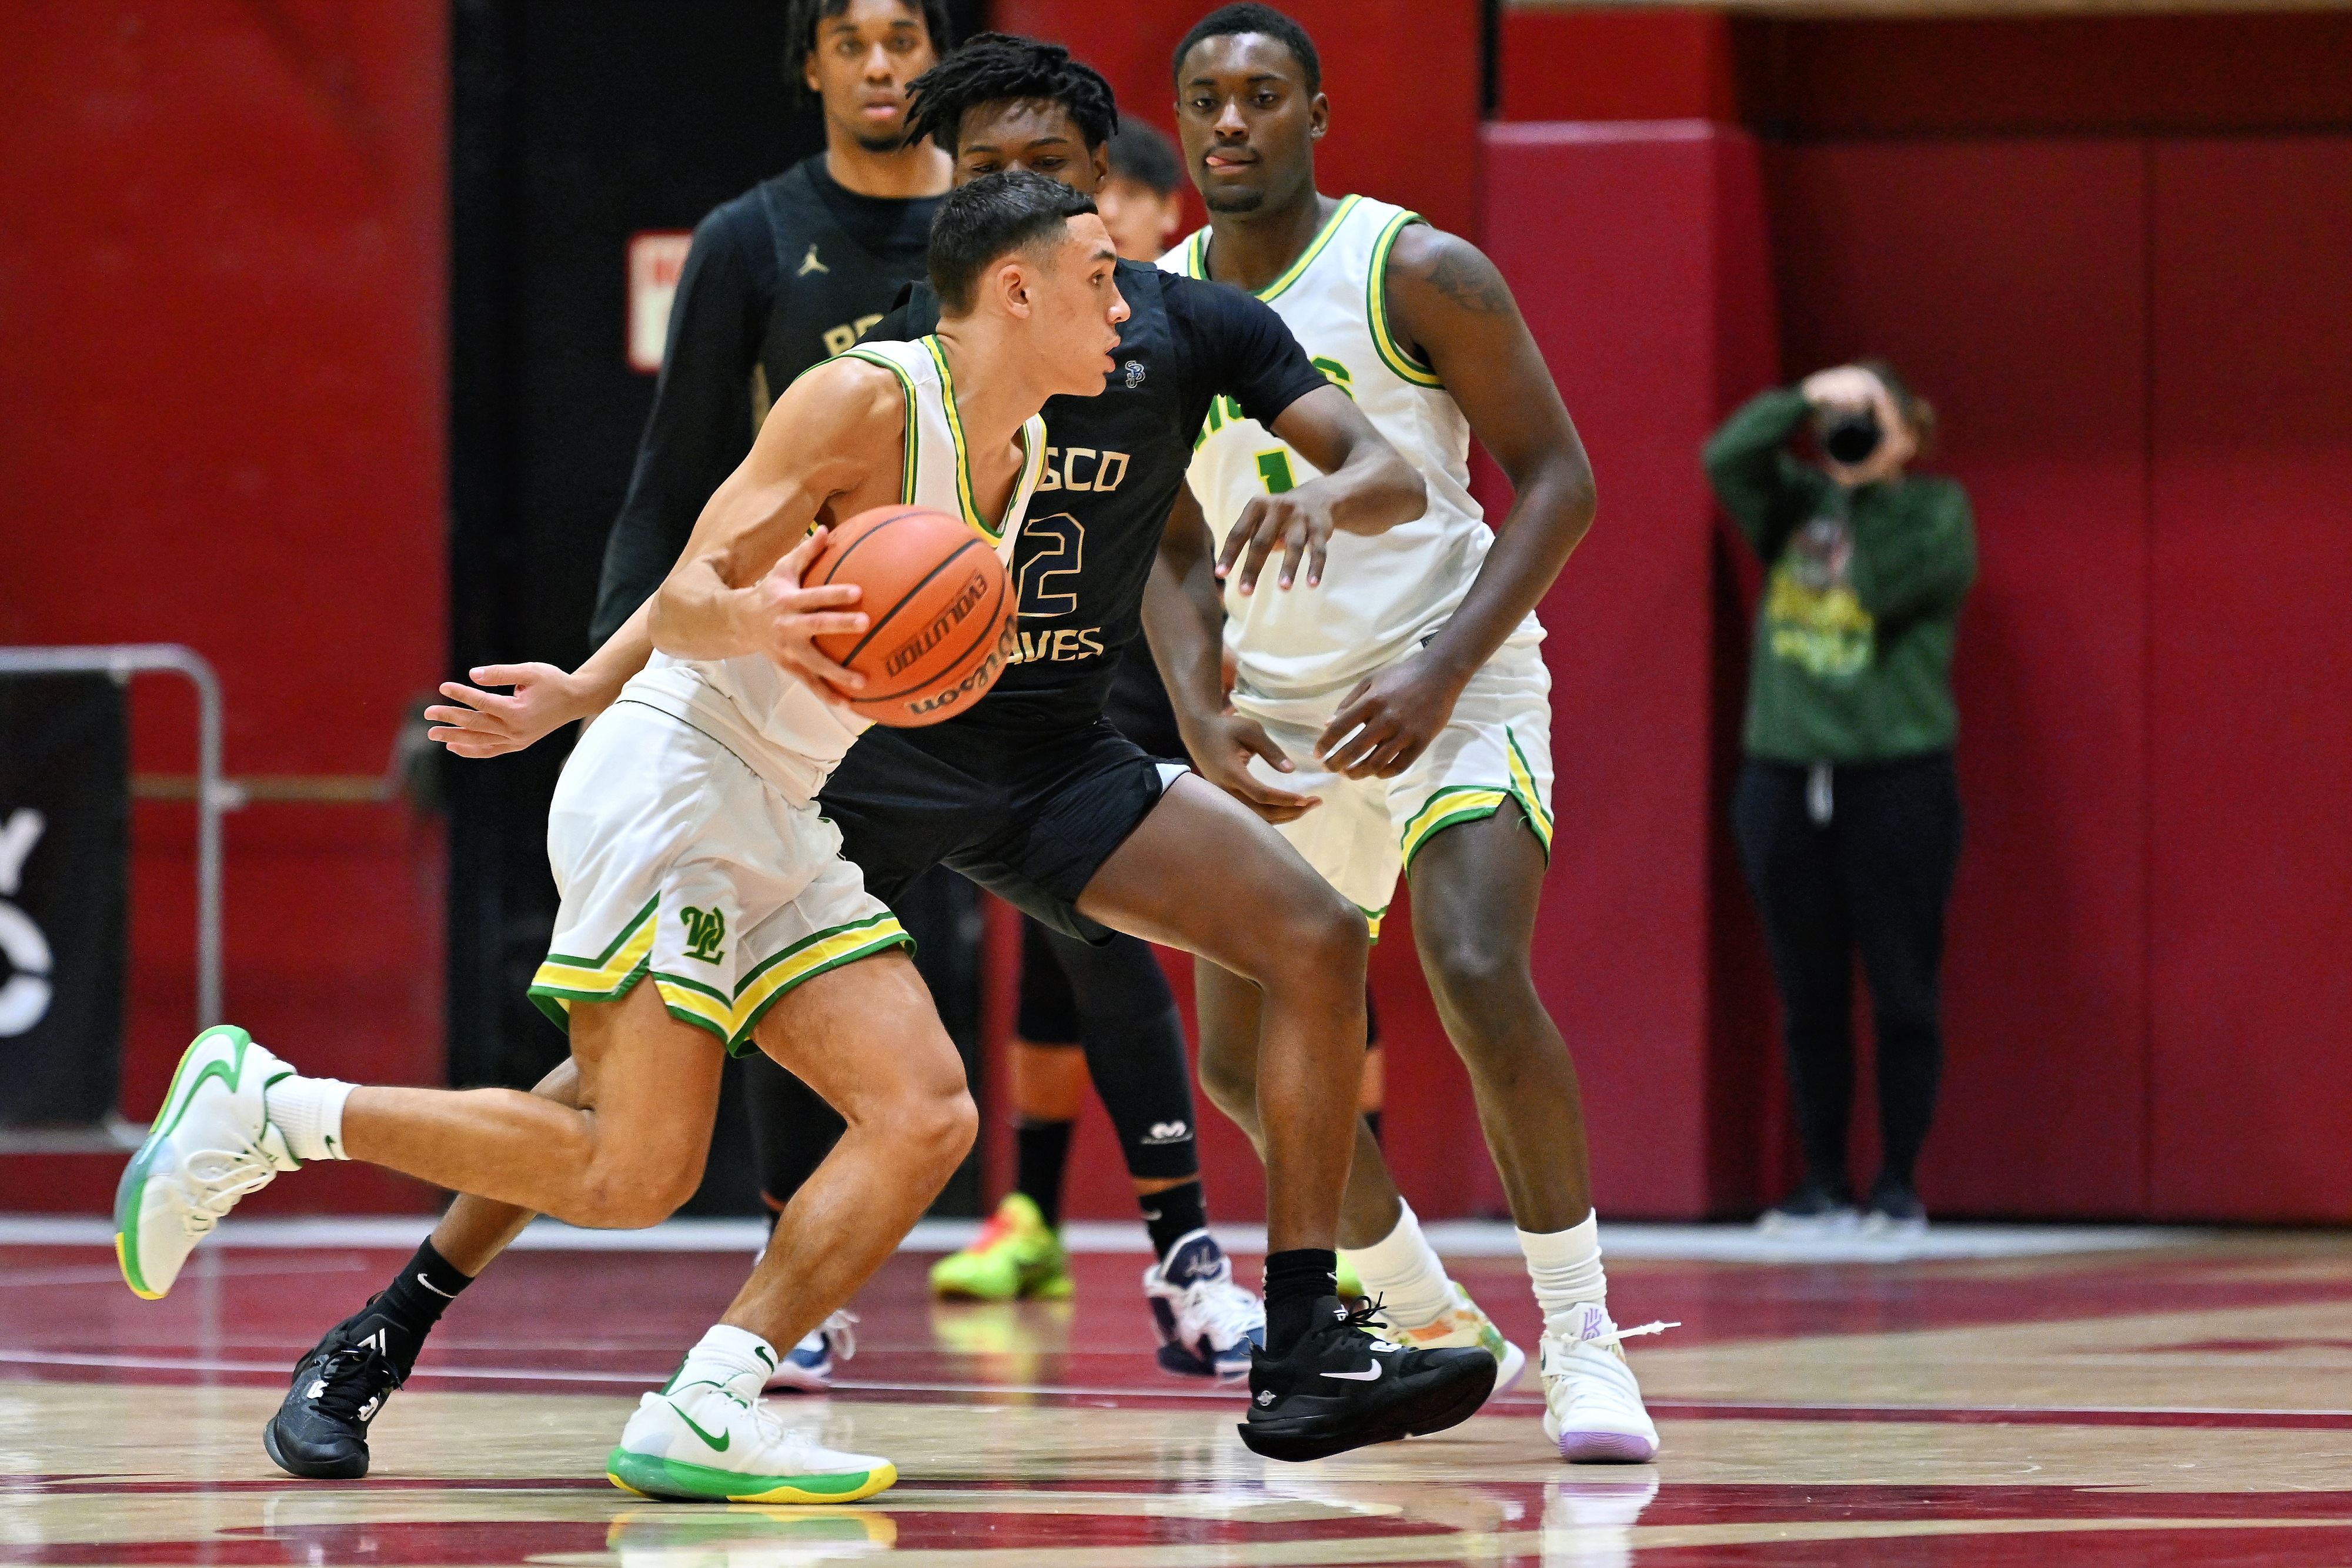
(1566, 1267)
(1403, 1273)
(309, 1114)
(728, 1357)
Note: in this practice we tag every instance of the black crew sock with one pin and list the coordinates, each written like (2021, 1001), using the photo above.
(1173, 1215)
(1040, 1151)
(409, 1307)
(1295, 1282)
(1372, 1120)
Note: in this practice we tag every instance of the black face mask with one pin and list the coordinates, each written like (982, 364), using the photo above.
(1851, 438)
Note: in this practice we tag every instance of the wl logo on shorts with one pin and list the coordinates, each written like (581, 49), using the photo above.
(705, 929)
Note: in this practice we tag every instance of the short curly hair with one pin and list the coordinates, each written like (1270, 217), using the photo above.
(1000, 68)
(1228, 21)
(802, 18)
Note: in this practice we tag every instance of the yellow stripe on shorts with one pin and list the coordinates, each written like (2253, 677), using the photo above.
(732, 1019)
(1457, 803)
(1523, 785)
(563, 980)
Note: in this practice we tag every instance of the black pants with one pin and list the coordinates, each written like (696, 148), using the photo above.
(1876, 876)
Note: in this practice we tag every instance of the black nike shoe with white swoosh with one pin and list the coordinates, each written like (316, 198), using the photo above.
(320, 1429)
(1342, 1387)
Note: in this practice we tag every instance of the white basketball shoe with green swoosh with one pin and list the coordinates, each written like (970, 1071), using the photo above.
(211, 1143)
(715, 1442)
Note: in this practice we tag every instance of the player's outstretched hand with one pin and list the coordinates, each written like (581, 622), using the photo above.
(788, 618)
(1296, 522)
(1221, 750)
(491, 723)
(1389, 720)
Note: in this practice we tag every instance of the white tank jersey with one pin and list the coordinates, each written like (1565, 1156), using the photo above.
(1382, 593)
(770, 718)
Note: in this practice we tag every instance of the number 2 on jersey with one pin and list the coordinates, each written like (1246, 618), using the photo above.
(1056, 548)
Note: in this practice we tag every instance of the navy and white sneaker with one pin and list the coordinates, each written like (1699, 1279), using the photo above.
(321, 1430)
(1209, 1326)
(1341, 1387)
(807, 1367)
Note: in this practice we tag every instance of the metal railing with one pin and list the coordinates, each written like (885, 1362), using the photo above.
(213, 794)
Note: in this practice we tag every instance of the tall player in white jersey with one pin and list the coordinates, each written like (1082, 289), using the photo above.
(689, 852)
(1400, 700)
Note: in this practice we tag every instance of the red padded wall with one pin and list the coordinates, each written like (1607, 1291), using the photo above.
(2007, 279)
(2251, 749)
(1645, 63)
(1633, 251)
(221, 419)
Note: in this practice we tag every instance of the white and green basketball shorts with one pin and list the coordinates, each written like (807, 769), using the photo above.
(1497, 747)
(676, 862)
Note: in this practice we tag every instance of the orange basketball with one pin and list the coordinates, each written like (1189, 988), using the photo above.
(939, 614)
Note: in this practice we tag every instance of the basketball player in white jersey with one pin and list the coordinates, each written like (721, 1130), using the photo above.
(1400, 700)
(689, 852)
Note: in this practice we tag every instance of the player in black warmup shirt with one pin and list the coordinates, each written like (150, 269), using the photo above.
(1033, 794)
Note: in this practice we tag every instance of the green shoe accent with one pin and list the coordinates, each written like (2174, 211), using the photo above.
(649, 1476)
(132, 1187)
(1351, 1289)
(1015, 1254)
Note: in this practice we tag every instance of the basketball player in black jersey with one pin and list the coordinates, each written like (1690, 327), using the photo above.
(1033, 794)
(1078, 1000)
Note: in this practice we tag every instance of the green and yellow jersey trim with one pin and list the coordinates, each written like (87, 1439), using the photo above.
(1033, 451)
(1407, 367)
(914, 441)
(1196, 252)
(1460, 803)
(561, 982)
(732, 1019)
(1523, 785)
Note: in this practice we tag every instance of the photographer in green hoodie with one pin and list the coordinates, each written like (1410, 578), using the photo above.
(1848, 810)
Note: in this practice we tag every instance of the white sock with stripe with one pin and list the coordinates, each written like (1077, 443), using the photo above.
(1403, 1273)
(727, 1356)
(309, 1114)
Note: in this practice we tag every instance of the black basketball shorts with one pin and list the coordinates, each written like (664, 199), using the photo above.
(1031, 815)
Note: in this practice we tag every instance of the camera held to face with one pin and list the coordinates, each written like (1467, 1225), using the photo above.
(1851, 435)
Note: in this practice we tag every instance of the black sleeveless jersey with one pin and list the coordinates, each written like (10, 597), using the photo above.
(1113, 467)
(780, 277)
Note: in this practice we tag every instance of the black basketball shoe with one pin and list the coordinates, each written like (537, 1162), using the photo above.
(1342, 1387)
(320, 1429)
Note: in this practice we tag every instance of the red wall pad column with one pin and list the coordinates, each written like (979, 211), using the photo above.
(1636, 252)
(2249, 755)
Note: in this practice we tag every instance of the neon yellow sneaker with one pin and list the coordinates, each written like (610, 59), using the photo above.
(1016, 1254)
(1351, 1289)
(1459, 1327)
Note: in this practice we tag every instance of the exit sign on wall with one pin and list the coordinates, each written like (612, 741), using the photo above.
(657, 257)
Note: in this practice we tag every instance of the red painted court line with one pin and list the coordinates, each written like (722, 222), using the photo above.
(2005, 1414)
(1178, 1396)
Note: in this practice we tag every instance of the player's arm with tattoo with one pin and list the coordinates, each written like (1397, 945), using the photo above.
(1364, 488)
(1184, 619)
(1449, 305)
